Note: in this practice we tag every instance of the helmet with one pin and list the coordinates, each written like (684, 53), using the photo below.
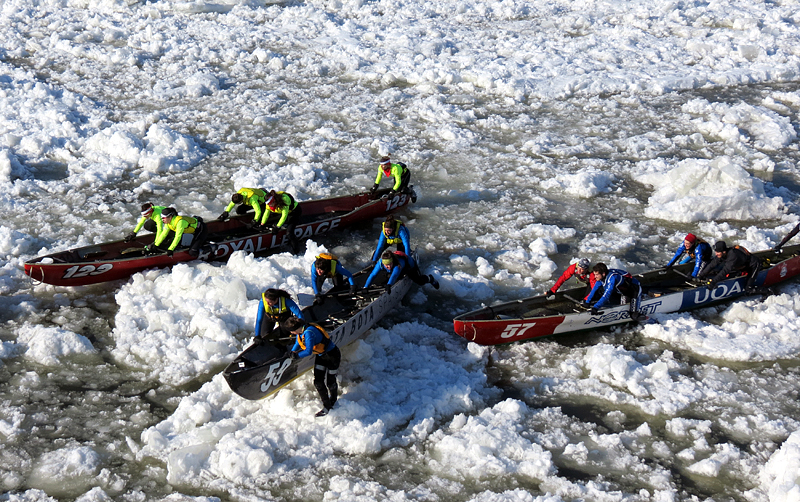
(584, 263)
(385, 160)
(691, 238)
(720, 246)
(147, 209)
(169, 212)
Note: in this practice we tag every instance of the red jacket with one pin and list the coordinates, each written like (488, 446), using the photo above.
(569, 272)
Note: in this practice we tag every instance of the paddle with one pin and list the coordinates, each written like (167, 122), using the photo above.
(685, 276)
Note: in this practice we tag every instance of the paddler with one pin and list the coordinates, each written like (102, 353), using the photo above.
(694, 249)
(312, 339)
(276, 306)
(289, 209)
(734, 261)
(617, 284)
(246, 200)
(393, 233)
(582, 271)
(395, 265)
(328, 266)
(189, 231)
(399, 172)
(150, 220)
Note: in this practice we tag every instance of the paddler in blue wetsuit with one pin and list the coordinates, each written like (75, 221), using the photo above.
(396, 265)
(312, 339)
(150, 220)
(695, 249)
(327, 266)
(276, 306)
(393, 233)
(617, 284)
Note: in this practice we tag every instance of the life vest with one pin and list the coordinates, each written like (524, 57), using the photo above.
(395, 237)
(333, 260)
(173, 224)
(278, 312)
(742, 249)
(320, 347)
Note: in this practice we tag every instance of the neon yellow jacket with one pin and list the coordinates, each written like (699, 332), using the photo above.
(156, 216)
(396, 170)
(180, 225)
(289, 204)
(253, 197)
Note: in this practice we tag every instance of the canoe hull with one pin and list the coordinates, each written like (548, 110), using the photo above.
(508, 323)
(119, 260)
(261, 370)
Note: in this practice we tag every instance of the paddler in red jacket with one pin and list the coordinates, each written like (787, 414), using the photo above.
(581, 270)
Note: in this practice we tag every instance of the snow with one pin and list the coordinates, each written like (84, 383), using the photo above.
(537, 133)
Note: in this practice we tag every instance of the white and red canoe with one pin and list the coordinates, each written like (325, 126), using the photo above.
(119, 259)
(666, 291)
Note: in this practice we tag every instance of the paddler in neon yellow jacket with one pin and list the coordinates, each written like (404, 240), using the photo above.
(290, 211)
(150, 220)
(399, 172)
(189, 231)
(248, 198)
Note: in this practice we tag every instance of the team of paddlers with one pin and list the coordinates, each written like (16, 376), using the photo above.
(711, 265)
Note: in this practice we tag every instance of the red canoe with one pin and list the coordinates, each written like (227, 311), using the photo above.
(119, 259)
(665, 291)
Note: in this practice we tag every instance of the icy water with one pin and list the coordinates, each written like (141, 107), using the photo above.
(537, 133)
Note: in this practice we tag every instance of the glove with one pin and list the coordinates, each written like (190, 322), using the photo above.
(594, 311)
(777, 249)
(551, 295)
(150, 248)
(223, 216)
(293, 356)
(272, 227)
(170, 252)
(374, 188)
(319, 299)
(668, 267)
(257, 340)
(130, 237)
(353, 288)
(710, 285)
(585, 304)
(389, 289)
(392, 193)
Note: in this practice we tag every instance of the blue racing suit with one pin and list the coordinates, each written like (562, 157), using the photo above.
(621, 282)
(395, 272)
(700, 251)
